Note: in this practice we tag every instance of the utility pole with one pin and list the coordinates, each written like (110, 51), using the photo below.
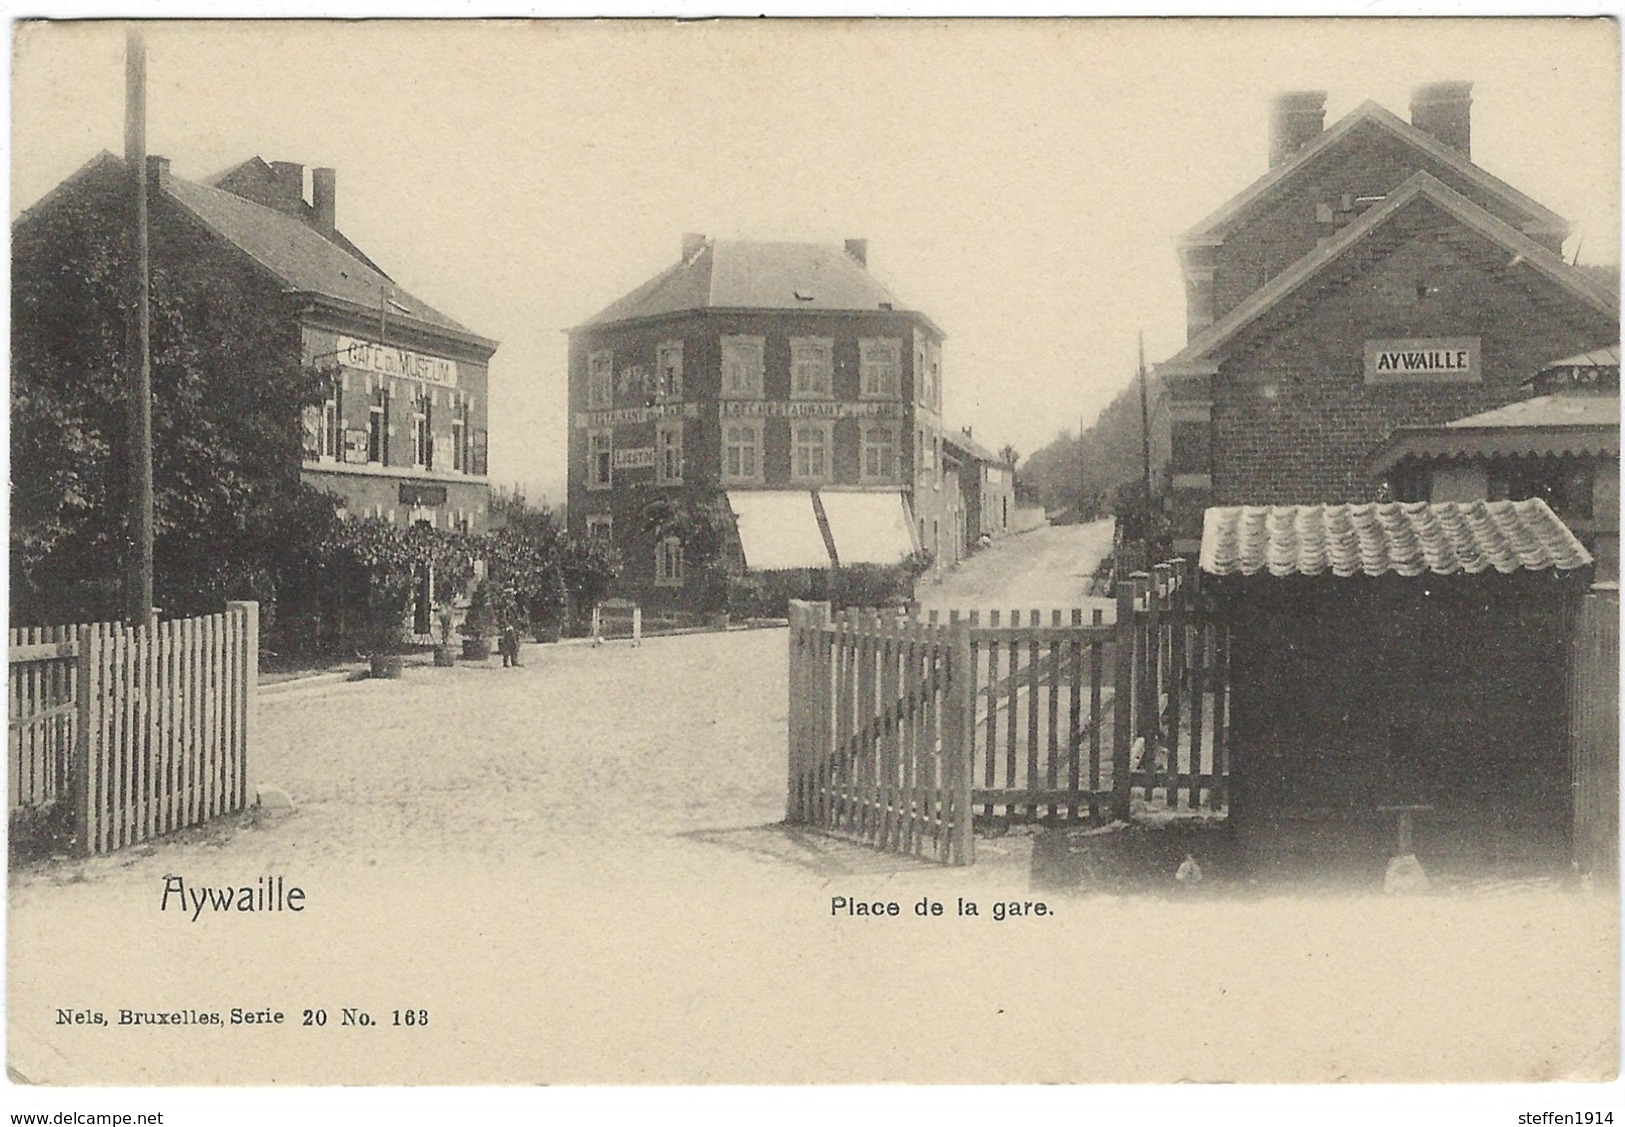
(140, 350)
(1145, 448)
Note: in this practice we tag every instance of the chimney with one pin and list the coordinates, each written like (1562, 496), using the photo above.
(1443, 110)
(157, 173)
(859, 249)
(692, 245)
(1296, 119)
(323, 190)
(290, 180)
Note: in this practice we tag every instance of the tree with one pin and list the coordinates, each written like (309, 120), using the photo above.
(530, 556)
(702, 521)
(1008, 455)
(232, 518)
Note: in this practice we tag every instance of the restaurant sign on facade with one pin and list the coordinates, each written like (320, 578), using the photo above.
(623, 416)
(808, 409)
(1423, 360)
(388, 360)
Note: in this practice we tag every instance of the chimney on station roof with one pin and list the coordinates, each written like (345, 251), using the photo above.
(1296, 118)
(324, 199)
(859, 249)
(290, 180)
(1444, 111)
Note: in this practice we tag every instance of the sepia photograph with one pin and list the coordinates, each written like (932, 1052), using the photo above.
(609, 553)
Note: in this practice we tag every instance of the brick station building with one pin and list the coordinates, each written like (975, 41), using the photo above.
(781, 379)
(1373, 278)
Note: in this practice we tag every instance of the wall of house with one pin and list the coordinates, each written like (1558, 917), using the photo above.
(451, 490)
(639, 411)
(1352, 693)
(1292, 418)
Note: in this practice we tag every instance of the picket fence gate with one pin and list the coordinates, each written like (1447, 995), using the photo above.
(144, 729)
(902, 732)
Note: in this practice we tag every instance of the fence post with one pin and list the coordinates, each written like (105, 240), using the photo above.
(961, 704)
(249, 690)
(1123, 701)
(797, 711)
(83, 747)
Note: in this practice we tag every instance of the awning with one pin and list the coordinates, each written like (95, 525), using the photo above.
(868, 528)
(778, 529)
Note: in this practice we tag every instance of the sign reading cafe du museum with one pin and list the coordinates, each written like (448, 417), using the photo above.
(1423, 360)
(388, 360)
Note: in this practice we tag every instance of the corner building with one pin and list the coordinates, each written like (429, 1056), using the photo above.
(779, 379)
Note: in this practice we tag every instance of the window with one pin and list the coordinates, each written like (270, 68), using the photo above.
(601, 380)
(812, 367)
(809, 453)
(742, 367)
(742, 451)
(925, 451)
(880, 362)
(879, 452)
(669, 562)
(669, 370)
(600, 527)
(477, 452)
(378, 428)
(423, 432)
(669, 452)
(324, 430)
(600, 459)
(459, 434)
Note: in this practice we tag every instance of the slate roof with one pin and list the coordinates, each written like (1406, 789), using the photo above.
(1197, 356)
(291, 250)
(299, 254)
(1369, 115)
(968, 445)
(733, 274)
(1388, 539)
(1574, 425)
(1597, 358)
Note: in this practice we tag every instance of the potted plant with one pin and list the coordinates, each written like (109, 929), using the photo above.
(444, 655)
(479, 624)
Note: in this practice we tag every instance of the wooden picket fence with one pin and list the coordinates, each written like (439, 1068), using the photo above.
(42, 713)
(145, 729)
(1594, 734)
(879, 709)
(902, 732)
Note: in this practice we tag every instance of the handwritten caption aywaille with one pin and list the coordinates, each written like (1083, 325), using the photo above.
(927, 907)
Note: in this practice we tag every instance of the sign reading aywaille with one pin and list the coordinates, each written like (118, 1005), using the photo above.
(1422, 360)
(387, 360)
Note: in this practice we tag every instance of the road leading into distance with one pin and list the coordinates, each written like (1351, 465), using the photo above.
(1046, 569)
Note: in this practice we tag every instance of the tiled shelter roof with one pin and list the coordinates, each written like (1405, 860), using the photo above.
(1446, 538)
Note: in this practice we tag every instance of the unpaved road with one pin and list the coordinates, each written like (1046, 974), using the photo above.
(1046, 569)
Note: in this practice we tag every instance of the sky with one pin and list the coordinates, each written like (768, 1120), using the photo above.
(1021, 182)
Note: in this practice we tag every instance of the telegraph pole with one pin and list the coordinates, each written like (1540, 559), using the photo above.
(140, 351)
(1145, 447)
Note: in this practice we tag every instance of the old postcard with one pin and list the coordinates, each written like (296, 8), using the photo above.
(930, 552)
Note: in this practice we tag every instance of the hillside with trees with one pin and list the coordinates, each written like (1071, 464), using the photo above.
(1081, 473)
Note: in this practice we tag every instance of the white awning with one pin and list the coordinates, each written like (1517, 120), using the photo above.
(778, 529)
(868, 528)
